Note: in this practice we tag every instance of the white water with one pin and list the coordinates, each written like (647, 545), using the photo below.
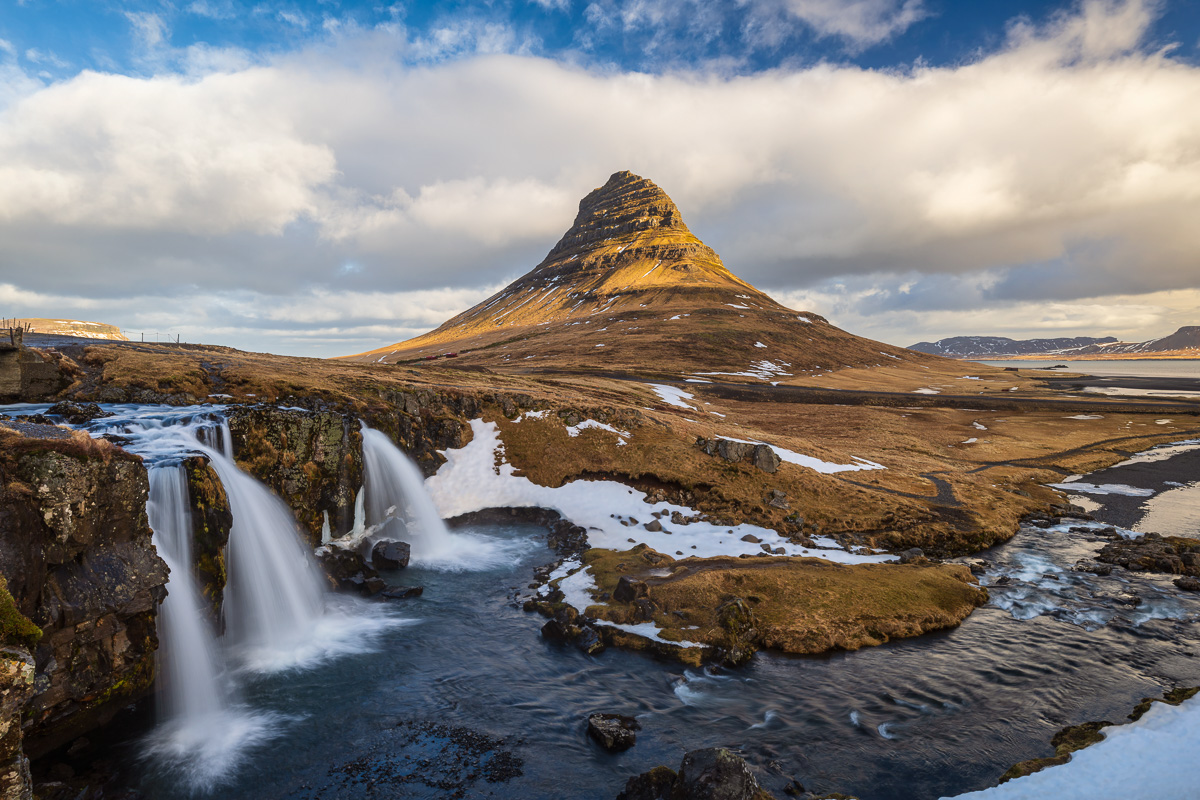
(398, 506)
(189, 680)
(274, 594)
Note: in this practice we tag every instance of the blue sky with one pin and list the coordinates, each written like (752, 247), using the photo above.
(325, 177)
(61, 37)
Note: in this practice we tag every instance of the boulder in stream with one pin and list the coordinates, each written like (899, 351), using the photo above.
(614, 732)
(390, 554)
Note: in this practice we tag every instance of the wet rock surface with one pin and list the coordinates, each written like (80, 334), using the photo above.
(212, 520)
(75, 548)
(424, 759)
(389, 554)
(311, 459)
(564, 536)
(1173, 555)
(16, 687)
(348, 571)
(711, 774)
(614, 732)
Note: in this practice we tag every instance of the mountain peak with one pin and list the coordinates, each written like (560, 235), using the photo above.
(630, 285)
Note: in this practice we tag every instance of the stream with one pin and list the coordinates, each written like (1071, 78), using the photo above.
(456, 695)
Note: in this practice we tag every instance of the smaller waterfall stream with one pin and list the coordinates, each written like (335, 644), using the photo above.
(190, 684)
(274, 594)
(397, 506)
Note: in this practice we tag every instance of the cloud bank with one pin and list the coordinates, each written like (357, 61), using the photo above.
(1059, 173)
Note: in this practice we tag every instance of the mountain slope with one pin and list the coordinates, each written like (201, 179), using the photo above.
(1184, 342)
(983, 346)
(629, 287)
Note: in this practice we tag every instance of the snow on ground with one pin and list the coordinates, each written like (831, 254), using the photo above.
(1086, 416)
(759, 344)
(1104, 488)
(926, 391)
(972, 440)
(1151, 759)
(762, 370)
(1086, 503)
(824, 467)
(471, 480)
(1160, 453)
(575, 430)
(805, 319)
(673, 395)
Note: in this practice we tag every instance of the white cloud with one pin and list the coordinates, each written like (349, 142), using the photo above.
(860, 22)
(1062, 168)
(148, 28)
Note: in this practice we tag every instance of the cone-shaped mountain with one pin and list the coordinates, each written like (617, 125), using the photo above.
(629, 286)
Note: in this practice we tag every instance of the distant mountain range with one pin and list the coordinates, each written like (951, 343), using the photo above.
(1180, 342)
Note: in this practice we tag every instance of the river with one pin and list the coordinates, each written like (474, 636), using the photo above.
(456, 695)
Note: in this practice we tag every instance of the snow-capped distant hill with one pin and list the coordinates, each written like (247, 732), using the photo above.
(981, 346)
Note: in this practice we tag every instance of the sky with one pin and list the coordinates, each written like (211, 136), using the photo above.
(322, 178)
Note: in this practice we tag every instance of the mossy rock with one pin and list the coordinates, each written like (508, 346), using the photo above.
(1065, 742)
(15, 627)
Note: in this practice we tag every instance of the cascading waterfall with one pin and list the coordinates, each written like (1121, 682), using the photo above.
(274, 594)
(191, 688)
(395, 492)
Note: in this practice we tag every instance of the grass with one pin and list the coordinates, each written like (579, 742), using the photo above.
(799, 605)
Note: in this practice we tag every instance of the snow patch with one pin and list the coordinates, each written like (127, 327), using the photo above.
(673, 395)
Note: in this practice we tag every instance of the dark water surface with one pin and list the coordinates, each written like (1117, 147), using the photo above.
(467, 700)
(919, 718)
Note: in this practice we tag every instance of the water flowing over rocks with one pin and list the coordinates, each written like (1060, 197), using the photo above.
(312, 460)
(614, 732)
(76, 551)
(712, 774)
(212, 521)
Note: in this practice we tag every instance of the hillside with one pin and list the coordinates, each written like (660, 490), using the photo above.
(69, 327)
(1183, 343)
(989, 346)
(629, 287)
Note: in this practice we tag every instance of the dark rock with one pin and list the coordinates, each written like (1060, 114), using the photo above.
(629, 589)
(653, 785)
(614, 732)
(644, 610)
(778, 499)
(78, 413)
(737, 619)
(715, 774)
(388, 554)
(1188, 584)
(403, 592)
(912, 555)
(348, 571)
(653, 525)
(751, 538)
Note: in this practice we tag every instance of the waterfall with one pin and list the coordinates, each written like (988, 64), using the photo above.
(398, 506)
(191, 688)
(274, 594)
(395, 493)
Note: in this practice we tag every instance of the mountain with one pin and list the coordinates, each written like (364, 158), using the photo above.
(630, 287)
(1184, 339)
(68, 327)
(1184, 342)
(983, 346)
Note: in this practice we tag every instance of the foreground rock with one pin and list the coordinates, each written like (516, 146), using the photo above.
(614, 732)
(1173, 555)
(75, 549)
(712, 774)
(312, 459)
(387, 554)
(16, 687)
(348, 571)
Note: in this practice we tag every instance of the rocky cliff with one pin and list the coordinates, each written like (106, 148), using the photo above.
(75, 550)
(312, 459)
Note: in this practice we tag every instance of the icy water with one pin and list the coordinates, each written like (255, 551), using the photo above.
(1149, 367)
(459, 696)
